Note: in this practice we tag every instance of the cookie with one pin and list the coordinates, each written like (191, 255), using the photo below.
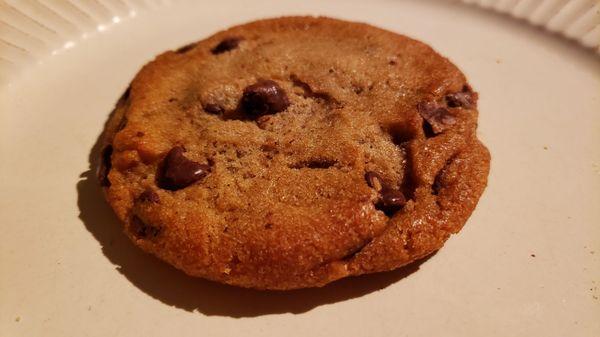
(292, 152)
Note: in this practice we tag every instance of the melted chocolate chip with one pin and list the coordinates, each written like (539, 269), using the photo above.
(212, 108)
(149, 196)
(142, 229)
(105, 166)
(226, 45)
(390, 200)
(465, 99)
(178, 172)
(263, 98)
(437, 117)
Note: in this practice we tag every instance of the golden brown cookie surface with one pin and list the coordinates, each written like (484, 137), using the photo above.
(292, 152)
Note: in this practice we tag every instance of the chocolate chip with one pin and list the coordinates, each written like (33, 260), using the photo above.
(263, 98)
(212, 108)
(186, 48)
(178, 172)
(149, 196)
(438, 117)
(105, 166)
(143, 230)
(226, 45)
(390, 200)
(465, 99)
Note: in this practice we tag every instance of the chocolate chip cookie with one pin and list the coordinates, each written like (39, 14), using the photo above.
(292, 152)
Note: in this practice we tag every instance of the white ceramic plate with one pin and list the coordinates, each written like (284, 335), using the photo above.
(526, 264)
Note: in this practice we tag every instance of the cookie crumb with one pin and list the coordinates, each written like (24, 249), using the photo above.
(498, 61)
(545, 148)
(18, 319)
(532, 255)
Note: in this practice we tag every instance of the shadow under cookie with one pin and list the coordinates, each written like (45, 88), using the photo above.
(174, 288)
